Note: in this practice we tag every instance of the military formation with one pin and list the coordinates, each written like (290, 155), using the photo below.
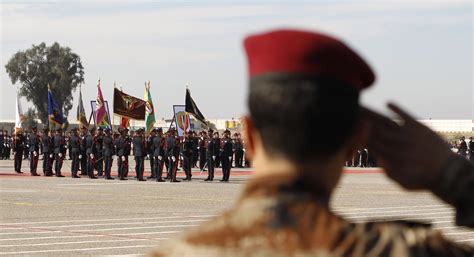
(92, 152)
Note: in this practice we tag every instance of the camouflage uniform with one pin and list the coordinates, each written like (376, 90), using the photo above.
(286, 216)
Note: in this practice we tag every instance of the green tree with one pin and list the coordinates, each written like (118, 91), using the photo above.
(30, 119)
(41, 65)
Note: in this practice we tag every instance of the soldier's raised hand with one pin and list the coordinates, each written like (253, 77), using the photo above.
(410, 153)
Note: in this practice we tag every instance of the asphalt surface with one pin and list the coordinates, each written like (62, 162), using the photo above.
(49, 216)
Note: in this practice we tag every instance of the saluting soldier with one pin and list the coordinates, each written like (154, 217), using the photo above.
(211, 149)
(284, 209)
(18, 144)
(75, 148)
(226, 155)
(187, 153)
(33, 144)
(107, 152)
(59, 145)
(139, 151)
(91, 152)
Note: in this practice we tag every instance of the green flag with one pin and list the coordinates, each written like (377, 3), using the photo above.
(149, 110)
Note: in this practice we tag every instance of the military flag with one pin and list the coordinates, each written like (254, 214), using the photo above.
(192, 108)
(150, 111)
(19, 118)
(101, 117)
(81, 113)
(55, 116)
(128, 106)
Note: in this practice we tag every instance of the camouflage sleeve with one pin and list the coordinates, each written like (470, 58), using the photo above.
(455, 185)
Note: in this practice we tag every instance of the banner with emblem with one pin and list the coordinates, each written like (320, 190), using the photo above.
(181, 119)
(128, 106)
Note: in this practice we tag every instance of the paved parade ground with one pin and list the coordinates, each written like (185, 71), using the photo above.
(49, 216)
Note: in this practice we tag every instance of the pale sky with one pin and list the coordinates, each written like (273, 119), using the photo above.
(421, 51)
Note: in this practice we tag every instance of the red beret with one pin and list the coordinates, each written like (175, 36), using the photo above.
(309, 53)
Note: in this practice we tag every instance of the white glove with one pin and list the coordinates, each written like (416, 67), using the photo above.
(160, 157)
(35, 154)
(80, 156)
(123, 158)
(173, 158)
(230, 159)
(92, 156)
(214, 157)
(181, 158)
(60, 155)
(51, 156)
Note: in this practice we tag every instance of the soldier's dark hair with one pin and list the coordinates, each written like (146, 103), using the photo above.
(302, 117)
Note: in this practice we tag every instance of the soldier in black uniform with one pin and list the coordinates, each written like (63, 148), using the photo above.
(47, 152)
(462, 147)
(169, 153)
(159, 143)
(75, 150)
(202, 150)
(2, 144)
(471, 149)
(139, 151)
(187, 153)
(91, 152)
(107, 152)
(217, 153)
(59, 144)
(99, 160)
(82, 151)
(18, 144)
(120, 143)
(151, 153)
(226, 156)
(239, 150)
(33, 145)
(195, 148)
(175, 159)
(8, 145)
(211, 150)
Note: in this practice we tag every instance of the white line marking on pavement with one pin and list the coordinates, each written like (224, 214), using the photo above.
(79, 250)
(91, 235)
(459, 233)
(124, 219)
(108, 224)
(466, 240)
(133, 228)
(408, 215)
(389, 208)
(85, 242)
(391, 211)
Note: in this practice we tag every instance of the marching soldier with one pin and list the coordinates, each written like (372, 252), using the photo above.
(120, 145)
(187, 153)
(226, 156)
(202, 150)
(91, 152)
(47, 153)
(139, 151)
(159, 143)
(239, 150)
(75, 149)
(107, 152)
(151, 153)
(99, 144)
(211, 149)
(33, 144)
(18, 144)
(59, 144)
(82, 151)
